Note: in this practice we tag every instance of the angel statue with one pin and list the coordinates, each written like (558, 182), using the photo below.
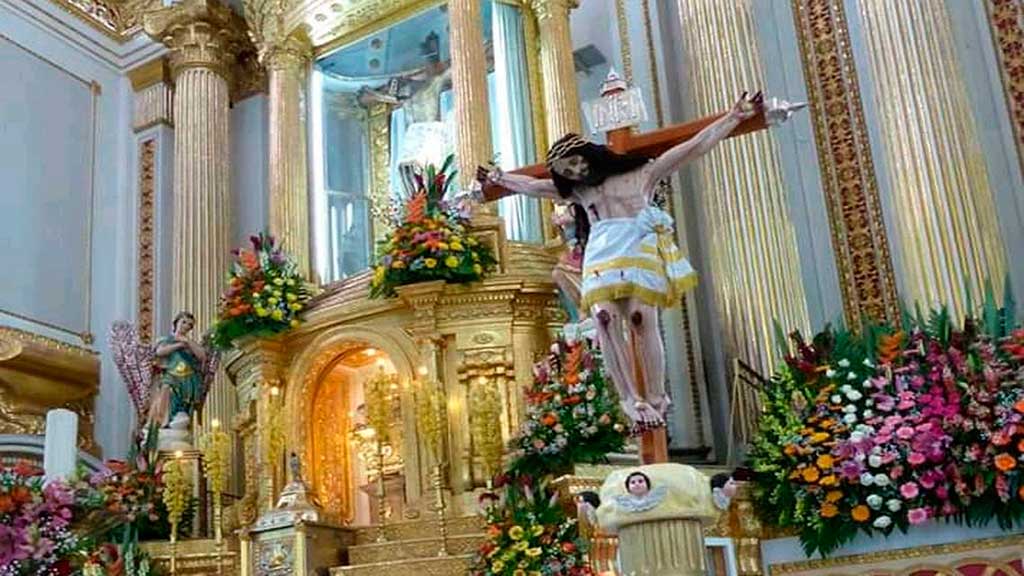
(167, 382)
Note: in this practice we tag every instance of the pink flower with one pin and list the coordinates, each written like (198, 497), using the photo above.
(918, 515)
(916, 458)
(909, 490)
(905, 433)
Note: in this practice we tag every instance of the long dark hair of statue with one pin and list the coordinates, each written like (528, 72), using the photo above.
(602, 162)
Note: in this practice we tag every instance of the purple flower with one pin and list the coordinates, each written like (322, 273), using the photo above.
(905, 433)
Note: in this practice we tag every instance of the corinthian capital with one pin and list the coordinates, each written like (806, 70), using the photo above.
(545, 9)
(200, 34)
(278, 45)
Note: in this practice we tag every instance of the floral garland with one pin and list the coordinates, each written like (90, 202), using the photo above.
(430, 240)
(531, 536)
(572, 413)
(888, 429)
(265, 295)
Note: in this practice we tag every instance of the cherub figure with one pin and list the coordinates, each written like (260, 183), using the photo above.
(631, 265)
(167, 382)
(640, 495)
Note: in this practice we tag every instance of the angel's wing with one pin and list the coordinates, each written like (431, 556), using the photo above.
(210, 365)
(134, 361)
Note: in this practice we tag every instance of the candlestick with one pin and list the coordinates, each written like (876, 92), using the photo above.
(215, 458)
(175, 496)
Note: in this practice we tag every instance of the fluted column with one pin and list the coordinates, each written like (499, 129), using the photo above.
(287, 63)
(561, 99)
(751, 240)
(942, 200)
(203, 37)
(469, 79)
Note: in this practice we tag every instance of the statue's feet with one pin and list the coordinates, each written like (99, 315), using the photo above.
(629, 409)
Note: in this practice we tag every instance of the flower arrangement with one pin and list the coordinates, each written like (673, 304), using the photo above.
(572, 413)
(892, 427)
(265, 295)
(36, 535)
(531, 536)
(430, 239)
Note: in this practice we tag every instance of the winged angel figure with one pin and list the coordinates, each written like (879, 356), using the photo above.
(167, 382)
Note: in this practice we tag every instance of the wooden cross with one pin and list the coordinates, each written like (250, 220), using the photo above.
(653, 443)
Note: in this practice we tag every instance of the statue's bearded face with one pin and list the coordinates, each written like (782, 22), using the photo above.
(575, 168)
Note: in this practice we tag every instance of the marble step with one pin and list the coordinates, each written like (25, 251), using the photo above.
(420, 529)
(412, 549)
(436, 566)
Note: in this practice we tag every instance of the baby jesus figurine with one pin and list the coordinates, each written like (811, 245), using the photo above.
(631, 265)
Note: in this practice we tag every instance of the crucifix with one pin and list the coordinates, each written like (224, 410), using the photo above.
(631, 265)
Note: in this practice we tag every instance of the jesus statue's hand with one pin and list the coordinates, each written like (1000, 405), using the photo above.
(747, 106)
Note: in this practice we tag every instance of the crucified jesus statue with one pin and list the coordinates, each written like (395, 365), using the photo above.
(631, 265)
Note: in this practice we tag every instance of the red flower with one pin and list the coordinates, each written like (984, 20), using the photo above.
(568, 547)
(6, 504)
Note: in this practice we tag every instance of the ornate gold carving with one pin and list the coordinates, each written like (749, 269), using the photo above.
(117, 19)
(202, 34)
(332, 469)
(146, 245)
(378, 122)
(194, 556)
(916, 553)
(1005, 17)
(38, 374)
(851, 192)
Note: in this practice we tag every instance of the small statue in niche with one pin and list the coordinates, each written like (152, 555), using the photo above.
(723, 489)
(640, 495)
(167, 382)
(587, 503)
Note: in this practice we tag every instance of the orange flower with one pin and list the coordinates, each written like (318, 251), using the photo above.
(819, 437)
(1020, 493)
(21, 495)
(811, 474)
(829, 480)
(6, 504)
(789, 450)
(827, 423)
(1019, 406)
(1005, 462)
(829, 510)
(248, 260)
(1020, 445)
(861, 513)
(834, 496)
(549, 419)
(825, 461)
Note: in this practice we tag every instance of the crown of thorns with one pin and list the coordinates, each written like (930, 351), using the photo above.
(565, 147)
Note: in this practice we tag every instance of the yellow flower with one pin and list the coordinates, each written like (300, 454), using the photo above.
(478, 269)
(521, 546)
(533, 552)
(829, 510)
(819, 437)
(537, 530)
(472, 241)
(519, 573)
(279, 281)
(272, 301)
(442, 245)
(451, 261)
(825, 461)
(497, 566)
(277, 315)
(294, 323)
(262, 312)
(834, 496)
(536, 573)
(476, 257)
(291, 297)
(295, 306)
(398, 264)
(457, 246)
(291, 282)
(429, 262)
(830, 480)
(515, 532)
(811, 474)
(861, 513)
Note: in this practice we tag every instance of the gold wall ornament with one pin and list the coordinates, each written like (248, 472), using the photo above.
(146, 256)
(943, 204)
(378, 126)
(38, 374)
(751, 239)
(485, 421)
(859, 237)
(332, 472)
(561, 98)
(1006, 20)
(119, 20)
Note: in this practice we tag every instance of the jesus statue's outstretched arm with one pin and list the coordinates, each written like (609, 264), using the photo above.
(673, 158)
(521, 184)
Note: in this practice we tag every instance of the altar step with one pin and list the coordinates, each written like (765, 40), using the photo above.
(411, 549)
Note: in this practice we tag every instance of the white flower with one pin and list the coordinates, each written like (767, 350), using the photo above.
(836, 399)
(881, 480)
(874, 461)
(866, 383)
(869, 413)
(882, 522)
(830, 373)
(845, 388)
(894, 505)
(844, 363)
(875, 501)
(869, 402)
(849, 409)
(876, 450)
(851, 376)
(867, 479)
(856, 436)
(854, 395)
(859, 457)
(850, 418)
(867, 362)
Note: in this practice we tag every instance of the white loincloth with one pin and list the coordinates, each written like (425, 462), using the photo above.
(635, 258)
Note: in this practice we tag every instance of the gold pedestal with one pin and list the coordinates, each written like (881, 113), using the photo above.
(663, 548)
